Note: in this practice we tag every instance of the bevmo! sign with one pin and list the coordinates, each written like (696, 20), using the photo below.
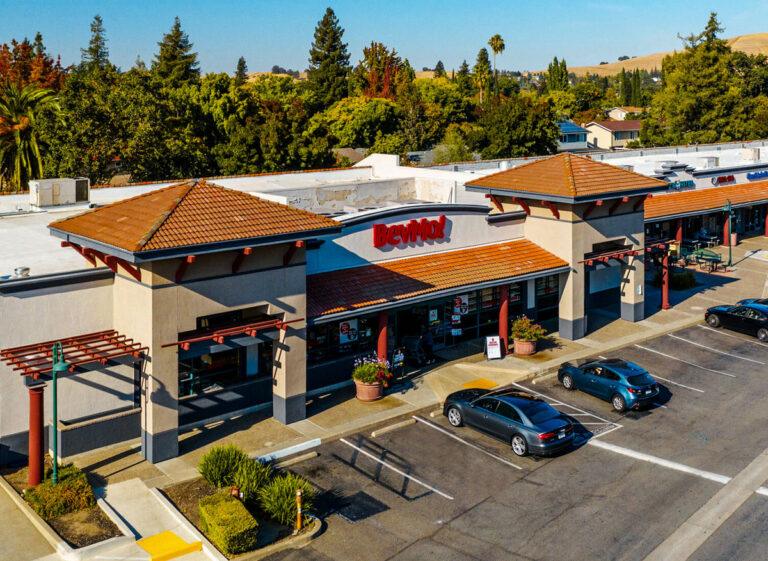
(414, 231)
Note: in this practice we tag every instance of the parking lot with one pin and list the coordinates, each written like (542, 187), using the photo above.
(428, 490)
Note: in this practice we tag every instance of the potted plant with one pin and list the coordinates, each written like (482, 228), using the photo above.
(525, 333)
(371, 376)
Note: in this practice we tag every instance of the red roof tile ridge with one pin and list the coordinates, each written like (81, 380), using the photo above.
(569, 175)
(160, 221)
(659, 182)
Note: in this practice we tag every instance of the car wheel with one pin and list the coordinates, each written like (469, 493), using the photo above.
(762, 334)
(713, 321)
(568, 382)
(454, 417)
(618, 403)
(519, 445)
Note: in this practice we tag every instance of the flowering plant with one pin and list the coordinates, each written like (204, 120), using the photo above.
(523, 329)
(371, 370)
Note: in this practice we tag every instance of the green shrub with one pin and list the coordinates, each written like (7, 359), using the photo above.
(70, 494)
(219, 464)
(251, 475)
(228, 524)
(523, 329)
(278, 497)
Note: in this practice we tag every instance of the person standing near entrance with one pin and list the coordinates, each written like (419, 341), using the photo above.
(427, 345)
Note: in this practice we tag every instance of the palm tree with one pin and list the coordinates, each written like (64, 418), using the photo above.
(496, 43)
(20, 156)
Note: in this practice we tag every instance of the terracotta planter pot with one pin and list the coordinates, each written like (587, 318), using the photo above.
(525, 348)
(368, 392)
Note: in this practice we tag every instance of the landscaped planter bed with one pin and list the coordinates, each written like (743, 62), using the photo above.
(186, 496)
(79, 529)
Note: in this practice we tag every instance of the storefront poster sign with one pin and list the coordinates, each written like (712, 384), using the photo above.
(455, 319)
(461, 304)
(398, 359)
(493, 347)
(456, 332)
(347, 331)
(434, 319)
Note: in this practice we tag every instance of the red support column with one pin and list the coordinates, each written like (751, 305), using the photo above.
(35, 475)
(504, 318)
(726, 238)
(679, 231)
(766, 221)
(665, 281)
(381, 342)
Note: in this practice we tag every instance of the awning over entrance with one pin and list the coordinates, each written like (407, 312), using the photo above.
(699, 201)
(398, 281)
(35, 360)
(218, 336)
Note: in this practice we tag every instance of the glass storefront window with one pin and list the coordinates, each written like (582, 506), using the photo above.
(340, 338)
(547, 297)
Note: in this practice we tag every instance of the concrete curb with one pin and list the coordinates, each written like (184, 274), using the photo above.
(208, 548)
(61, 547)
(289, 450)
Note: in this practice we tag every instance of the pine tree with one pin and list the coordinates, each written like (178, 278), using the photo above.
(439, 69)
(96, 56)
(328, 61)
(176, 63)
(636, 89)
(464, 80)
(625, 88)
(38, 45)
(557, 75)
(241, 73)
(482, 72)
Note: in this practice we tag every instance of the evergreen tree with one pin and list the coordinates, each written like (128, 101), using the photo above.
(440, 69)
(557, 75)
(176, 63)
(464, 80)
(38, 45)
(241, 73)
(636, 89)
(482, 72)
(328, 61)
(96, 56)
(625, 88)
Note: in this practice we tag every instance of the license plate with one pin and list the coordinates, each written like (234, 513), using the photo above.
(561, 434)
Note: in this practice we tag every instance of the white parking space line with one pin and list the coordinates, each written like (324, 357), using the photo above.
(716, 477)
(553, 400)
(393, 468)
(685, 361)
(710, 349)
(721, 332)
(467, 443)
(679, 384)
(601, 357)
(660, 405)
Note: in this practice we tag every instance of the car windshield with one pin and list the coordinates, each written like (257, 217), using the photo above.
(640, 379)
(540, 412)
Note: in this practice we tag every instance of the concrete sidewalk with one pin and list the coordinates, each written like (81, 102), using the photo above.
(19, 538)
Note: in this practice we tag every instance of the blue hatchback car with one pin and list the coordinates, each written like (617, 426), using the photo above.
(624, 384)
(529, 424)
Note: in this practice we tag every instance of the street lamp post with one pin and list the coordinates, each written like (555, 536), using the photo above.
(729, 217)
(59, 367)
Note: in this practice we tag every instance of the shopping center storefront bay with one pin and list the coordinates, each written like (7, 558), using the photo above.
(180, 303)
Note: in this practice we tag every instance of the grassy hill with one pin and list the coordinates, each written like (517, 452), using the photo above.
(750, 44)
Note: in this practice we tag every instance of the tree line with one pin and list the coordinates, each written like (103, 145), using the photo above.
(166, 120)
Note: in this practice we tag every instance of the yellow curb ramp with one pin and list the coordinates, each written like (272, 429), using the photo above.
(482, 383)
(167, 545)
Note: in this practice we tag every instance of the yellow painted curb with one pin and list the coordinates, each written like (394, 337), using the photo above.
(167, 545)
(482, 383)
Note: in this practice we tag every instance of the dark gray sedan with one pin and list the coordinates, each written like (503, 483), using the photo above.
(529, 424)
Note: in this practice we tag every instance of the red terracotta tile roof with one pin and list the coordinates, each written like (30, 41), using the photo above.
(394, 281)
(568, 175)
(709, 198)
(188, 214)
(613, 126)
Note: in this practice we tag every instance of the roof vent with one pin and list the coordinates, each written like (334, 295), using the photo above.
(21, 272)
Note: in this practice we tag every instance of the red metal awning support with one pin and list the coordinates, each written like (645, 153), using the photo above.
(109, 260)
(496, 202)
(616, 204)
(241, 255)
(182, 268)
(592, 206)
(218, 336)
(523, 204)
(292, 251)
(101, 347)
(552, 208)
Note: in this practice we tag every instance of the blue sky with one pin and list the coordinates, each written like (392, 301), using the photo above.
(271, 32)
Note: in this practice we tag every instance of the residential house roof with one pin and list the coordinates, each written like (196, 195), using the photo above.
(570, 127)
(395, 281)
(567, 176)
(617, 126)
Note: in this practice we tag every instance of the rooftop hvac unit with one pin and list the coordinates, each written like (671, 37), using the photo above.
(709, 162)
(58, 191)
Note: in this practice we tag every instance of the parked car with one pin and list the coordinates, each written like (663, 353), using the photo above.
(624, 384)
(529, 424)
(750, 318)
(761, 301)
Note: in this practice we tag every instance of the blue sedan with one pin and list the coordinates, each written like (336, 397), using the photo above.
(527, 423)
(624, 384)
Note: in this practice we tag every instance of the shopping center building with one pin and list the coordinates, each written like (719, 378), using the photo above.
(177, 303)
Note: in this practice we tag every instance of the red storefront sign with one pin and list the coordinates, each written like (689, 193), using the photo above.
(415, 230)
(723, 179)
